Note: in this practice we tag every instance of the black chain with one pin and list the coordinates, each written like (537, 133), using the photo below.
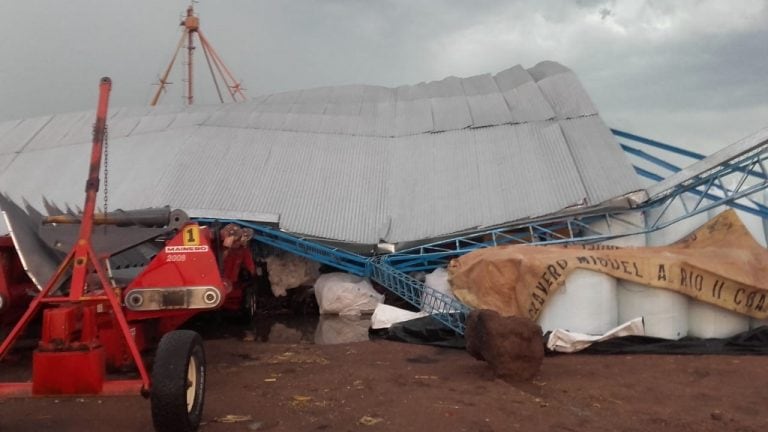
(106, 172)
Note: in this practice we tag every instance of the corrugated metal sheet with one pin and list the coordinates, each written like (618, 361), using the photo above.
(413, 111)
(605, 171)
(55, 131)
(486, 103)
(15, 139)
(524, 99)
(562, 90)
(355, 163)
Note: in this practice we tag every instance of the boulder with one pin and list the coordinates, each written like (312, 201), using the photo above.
(512, 346)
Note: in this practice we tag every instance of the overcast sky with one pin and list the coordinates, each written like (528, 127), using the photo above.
(689, 72)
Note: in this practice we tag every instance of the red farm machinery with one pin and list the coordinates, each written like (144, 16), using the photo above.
(94, 324)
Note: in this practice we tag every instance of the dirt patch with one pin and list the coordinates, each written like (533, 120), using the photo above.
(378, 386)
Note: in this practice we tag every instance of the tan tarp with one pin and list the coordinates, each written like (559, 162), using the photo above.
(720, 263)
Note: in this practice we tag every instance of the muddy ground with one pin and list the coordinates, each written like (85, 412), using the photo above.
(389, 386)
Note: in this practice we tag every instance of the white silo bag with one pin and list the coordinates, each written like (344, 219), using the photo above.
(586, 303)
(709, 321)
(665, 313)
(659, 308)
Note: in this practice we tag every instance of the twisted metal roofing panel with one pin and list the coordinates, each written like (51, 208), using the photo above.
(356, 164)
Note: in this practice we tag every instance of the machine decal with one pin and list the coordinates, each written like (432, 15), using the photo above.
(192, 235)
(183, 249)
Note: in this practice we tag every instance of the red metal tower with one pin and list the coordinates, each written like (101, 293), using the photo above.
(191, 27)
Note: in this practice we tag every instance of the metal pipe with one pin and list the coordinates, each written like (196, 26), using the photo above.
(80, 268)
(154, 217)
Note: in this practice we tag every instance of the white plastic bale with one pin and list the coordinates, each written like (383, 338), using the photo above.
(754, 322)
(665, 312)
(709, 321)
(586, 303)
(288, 271)
(345, 294)
(659, 310)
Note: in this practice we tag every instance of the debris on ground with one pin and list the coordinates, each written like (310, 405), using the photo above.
(369, 421)
(512, 346)
(233, 418)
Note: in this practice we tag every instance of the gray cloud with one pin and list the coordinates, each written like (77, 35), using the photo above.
(686, 71)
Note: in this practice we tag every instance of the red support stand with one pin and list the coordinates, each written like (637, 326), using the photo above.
(70, 359)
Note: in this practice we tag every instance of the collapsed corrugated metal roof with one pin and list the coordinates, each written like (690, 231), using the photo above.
(356, 164)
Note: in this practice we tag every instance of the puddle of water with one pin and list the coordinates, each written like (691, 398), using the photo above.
(321, 330)
(334, 329)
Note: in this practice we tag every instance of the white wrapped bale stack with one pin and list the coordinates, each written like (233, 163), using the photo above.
(587, 301)
(708, 321)
(660, 316)
(763, 223)
(666, 311)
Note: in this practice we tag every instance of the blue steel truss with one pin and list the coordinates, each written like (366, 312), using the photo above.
(442, 307)
(745, 172)
(308, 248)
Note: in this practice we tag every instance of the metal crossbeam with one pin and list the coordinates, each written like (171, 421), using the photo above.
(658, 145)
(440, 306)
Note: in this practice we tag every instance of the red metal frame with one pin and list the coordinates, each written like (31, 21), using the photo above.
(85, 330)
(70, 330)
(15, 284)
(180, 263)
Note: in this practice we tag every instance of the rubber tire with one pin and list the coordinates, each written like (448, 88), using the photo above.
(168, 395)
(248, 311)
